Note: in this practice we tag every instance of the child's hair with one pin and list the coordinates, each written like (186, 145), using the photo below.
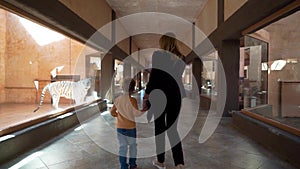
(128, 85)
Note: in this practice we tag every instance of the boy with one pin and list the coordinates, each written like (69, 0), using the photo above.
(125, 109)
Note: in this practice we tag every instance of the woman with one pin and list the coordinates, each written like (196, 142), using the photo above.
(167, 68)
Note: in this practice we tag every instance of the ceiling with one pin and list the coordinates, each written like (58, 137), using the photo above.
(185, 9)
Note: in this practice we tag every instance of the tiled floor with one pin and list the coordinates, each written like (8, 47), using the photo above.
(93, 145)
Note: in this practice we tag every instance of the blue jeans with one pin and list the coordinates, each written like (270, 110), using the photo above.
(127, 137)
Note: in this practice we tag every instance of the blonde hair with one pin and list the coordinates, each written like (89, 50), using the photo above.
(168, 42)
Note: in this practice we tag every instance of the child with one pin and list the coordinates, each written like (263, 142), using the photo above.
(125, 108)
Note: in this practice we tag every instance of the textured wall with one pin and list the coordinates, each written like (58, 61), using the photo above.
(2, 54)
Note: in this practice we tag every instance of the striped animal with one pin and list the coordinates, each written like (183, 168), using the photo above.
(67, 89)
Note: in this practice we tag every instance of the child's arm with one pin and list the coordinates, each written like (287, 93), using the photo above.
(113, 111)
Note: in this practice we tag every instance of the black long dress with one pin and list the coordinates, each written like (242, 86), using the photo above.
(166, 77)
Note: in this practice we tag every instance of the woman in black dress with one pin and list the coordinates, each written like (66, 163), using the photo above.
(166, 77)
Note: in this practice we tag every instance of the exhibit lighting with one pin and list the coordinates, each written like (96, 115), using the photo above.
(264, 66)
(292, 60)
(6, 137)
(65, 115)
(278, 64)
(40, 34)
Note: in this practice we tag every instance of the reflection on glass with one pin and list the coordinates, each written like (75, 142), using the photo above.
(271, 87)
(278, 65)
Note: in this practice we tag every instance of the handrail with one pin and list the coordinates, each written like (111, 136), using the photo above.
(274, 123)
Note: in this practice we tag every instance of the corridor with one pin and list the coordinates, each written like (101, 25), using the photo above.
(90, 146)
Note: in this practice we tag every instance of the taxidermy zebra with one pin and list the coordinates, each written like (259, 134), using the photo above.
(67, 89)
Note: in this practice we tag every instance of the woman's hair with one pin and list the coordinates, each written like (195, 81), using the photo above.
(128, 85)
(168, 42)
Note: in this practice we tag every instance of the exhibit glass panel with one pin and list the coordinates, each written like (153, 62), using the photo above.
(33, 56)
(275, 90)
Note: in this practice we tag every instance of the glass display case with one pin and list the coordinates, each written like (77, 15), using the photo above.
(271, 71)
(41, 70)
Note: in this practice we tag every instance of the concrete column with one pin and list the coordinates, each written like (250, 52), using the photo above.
(107, 72)
(229, 53)
(197, 68)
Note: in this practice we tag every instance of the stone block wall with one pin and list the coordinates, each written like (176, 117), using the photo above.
(2, 54)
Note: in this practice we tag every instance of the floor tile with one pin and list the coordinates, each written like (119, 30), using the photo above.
(227, 148)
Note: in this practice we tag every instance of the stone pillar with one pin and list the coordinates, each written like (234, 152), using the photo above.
(107, 72)
(229, 53)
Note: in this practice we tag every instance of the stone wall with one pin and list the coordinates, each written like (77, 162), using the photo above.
(2, 54)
